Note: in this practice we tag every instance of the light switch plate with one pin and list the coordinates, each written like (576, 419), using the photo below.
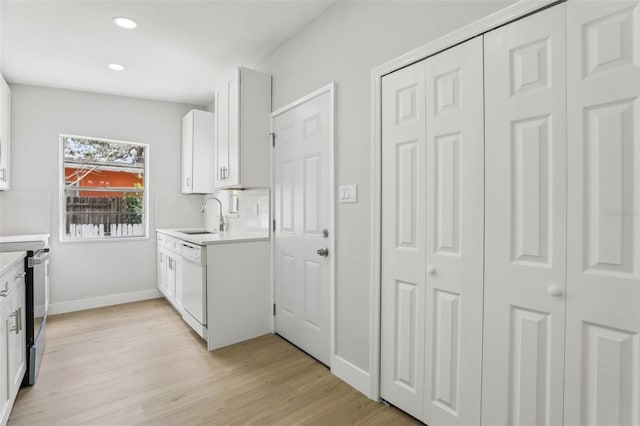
(348, 193)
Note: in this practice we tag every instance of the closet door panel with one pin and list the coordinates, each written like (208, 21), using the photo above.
(525, 244)
(403, 239)
(603, 286)
(454, 235)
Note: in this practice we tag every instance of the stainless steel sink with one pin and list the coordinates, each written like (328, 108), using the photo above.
(196, 231)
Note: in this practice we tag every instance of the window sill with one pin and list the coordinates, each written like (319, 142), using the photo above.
(102, 240)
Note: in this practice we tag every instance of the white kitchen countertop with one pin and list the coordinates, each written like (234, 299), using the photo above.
(218, 237)
(24, 238)
(10, 258)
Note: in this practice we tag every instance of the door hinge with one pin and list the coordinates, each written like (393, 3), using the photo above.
(274, 225)
(273, 139)
(274, 309)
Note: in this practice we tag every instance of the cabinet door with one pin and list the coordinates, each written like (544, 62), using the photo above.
(171, 275)
(5, 133)
(177, 265)
(203, 154)
(454, 229)
(603, 276)
(187, 152)
(4, 356)
(162, 270)
(17, 342)
(403, 239)
(222, 141)
(234, 163)
(525, 244)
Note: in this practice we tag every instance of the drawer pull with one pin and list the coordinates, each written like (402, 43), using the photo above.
(22, 275)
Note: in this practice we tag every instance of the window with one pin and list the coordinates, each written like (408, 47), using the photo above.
(103, 194)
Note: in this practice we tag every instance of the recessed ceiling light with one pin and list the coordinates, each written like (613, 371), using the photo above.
(125, 22)
(115, 67)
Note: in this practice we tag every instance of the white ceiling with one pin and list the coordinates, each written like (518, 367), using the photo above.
(181, 51)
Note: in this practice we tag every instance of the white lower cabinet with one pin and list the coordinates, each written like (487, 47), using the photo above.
(5, 400)
(238, 292)
(161, 270)
(541, 295)
(12, 337)
(169, 269)
(16, 339)
(236, 299)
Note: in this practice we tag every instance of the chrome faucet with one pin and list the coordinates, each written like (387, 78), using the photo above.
(222, 225)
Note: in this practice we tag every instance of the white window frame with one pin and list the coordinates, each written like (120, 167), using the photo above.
(63, 199)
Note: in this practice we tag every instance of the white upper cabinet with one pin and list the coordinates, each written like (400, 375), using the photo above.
(198, 152)
(5, 133)
(243, 108)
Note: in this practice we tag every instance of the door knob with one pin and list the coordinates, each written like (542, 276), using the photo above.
(431, 270)
(323, 252)
(555, 290)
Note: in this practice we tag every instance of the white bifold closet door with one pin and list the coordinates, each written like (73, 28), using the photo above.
(603, 288)
(525, 246)
(403, 239)
(432, 236)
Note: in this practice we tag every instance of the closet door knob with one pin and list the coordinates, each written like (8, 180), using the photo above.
(555, 290)
(431, 270)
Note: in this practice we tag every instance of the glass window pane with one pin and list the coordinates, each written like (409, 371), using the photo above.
(104, 189)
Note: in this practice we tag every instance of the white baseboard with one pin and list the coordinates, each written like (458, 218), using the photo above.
(353, 375)
(99, 302)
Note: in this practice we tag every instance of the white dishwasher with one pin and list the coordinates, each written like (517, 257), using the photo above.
(194, 287)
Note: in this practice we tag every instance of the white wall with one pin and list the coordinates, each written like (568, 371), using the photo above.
(89, 270)
(342, 46)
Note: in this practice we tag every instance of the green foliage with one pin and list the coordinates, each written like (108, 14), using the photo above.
(133, 204)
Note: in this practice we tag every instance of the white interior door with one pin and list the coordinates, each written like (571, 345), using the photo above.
(454, 229)
(302, 213)
(525, 245)
(403, 239)
(603, 287)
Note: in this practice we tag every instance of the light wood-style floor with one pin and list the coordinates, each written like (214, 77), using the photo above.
(141, 364)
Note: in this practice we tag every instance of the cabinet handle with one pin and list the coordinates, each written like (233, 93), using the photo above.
(18, 326)
(4, 292)
(22, 275)
(170, 264)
